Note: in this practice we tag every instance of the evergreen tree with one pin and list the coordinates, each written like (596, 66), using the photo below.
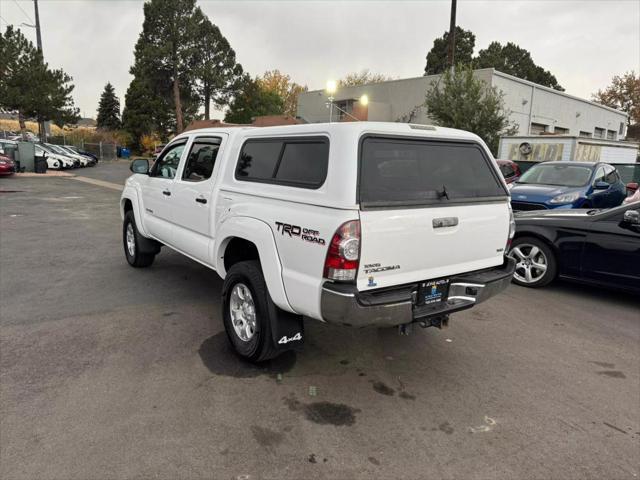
(253, 101)
(463, 54)
(166, 55)
(216, 70)
(109, 109)
(461, 101)
(516, 61)
(29, 86)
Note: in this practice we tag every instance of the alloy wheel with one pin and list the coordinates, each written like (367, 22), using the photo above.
(243, 312)
(531, 263)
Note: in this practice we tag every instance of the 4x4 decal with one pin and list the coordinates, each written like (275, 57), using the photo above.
(306, 234)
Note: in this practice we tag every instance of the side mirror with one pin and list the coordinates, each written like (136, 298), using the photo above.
(140, 165)
(601, 185)
(632, 217)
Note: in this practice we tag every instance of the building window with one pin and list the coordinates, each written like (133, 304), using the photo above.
(585, 134)
(537, 129)
(611, 135)
(345, 109)
(621, 129)
(561, 131)
(598, 133)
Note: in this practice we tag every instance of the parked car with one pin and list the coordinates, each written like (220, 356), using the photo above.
(55, 161)
(78, 160)
(7, 166)
(85, 160)
(593, 246)
(568, 185)
(357, 224)
(510, 170)
(83, 152)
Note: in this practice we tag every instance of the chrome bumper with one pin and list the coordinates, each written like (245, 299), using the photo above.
(342, 304)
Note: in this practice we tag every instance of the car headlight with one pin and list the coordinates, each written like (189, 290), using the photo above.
(565, 198)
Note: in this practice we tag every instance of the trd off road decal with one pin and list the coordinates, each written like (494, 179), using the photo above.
(306, 234)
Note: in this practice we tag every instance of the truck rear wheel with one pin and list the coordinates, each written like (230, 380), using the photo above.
(248, 312)
(131, 243)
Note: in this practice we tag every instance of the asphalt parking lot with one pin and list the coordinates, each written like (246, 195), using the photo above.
(111, 372)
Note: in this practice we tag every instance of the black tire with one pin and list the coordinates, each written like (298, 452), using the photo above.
(136, 258)
(259, 347)
(525, 246)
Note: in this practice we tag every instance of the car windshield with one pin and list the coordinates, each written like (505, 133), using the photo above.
(57, 149)
(561, 175)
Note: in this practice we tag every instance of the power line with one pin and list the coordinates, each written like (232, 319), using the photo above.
(22, 9)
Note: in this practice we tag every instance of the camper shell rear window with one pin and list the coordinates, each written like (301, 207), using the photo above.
(409, 171)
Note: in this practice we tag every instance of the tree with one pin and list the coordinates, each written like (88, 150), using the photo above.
(109, 109)
(29, 86)
(217, 71)
(362, 77)
(461, 101)
(463, 54)
(623, 94)
(166, 53)
(253, 101)
(281, 85)
(516, 61)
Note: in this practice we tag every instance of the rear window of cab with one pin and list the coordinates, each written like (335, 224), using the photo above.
(409, 171)
(297, 162)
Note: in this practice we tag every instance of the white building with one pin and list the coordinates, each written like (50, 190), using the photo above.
(533, 108)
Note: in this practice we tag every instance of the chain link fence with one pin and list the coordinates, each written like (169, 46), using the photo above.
(102, 150)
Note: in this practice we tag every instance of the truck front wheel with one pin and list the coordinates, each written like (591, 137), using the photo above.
(131, 243)
(248, 312)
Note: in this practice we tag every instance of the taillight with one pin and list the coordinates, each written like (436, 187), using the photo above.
(512, 229)
(343, 255)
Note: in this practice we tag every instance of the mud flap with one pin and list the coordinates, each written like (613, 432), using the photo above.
(287, 331)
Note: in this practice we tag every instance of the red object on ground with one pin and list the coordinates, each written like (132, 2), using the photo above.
(7, 166)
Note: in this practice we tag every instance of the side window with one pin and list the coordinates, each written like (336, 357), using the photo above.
(166, 165)
(507, 171)
(258, 160)
(304, 163)
(611, 176)
(201, 159)
(599, 177)
(300, 162)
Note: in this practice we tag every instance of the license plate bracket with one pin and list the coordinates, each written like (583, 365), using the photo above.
(433, 291)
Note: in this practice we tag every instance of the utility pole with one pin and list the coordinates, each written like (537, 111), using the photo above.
(42, 132)
(38, 36)
(452, 36)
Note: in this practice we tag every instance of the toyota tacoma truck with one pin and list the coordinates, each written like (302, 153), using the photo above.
(360, 224)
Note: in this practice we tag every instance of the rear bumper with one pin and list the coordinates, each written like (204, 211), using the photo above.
(344, 305)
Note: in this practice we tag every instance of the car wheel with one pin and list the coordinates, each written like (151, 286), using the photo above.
(130, 236)
(536, 263)
(248, 312)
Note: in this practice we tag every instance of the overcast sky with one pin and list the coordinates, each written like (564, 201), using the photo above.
(583, 43)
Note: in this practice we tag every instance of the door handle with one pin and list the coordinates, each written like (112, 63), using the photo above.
(166, 192)
(201, 200)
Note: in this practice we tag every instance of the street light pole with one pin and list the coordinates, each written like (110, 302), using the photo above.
(452, 36)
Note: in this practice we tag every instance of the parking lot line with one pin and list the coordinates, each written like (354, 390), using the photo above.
(100, 183)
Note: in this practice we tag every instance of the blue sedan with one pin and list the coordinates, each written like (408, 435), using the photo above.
(568, 185)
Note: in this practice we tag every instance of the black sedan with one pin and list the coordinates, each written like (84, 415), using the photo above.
(600, 247)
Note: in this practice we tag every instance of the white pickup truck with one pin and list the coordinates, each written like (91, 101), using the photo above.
(357, 224)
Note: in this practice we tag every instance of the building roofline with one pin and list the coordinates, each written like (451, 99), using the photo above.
(552, 90)
(493, 72)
